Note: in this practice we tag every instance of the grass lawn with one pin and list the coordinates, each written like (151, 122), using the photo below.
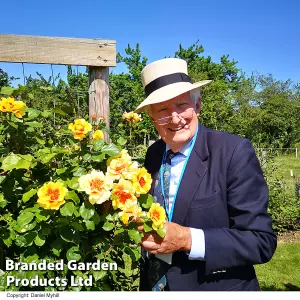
(287, 163)
(282, 273)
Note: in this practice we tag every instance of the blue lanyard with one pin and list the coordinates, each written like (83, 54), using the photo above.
(170, 214)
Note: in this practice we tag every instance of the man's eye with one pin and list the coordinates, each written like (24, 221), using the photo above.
(183, 104)
(161, 109)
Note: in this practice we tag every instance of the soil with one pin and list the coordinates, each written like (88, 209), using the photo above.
(289, 237)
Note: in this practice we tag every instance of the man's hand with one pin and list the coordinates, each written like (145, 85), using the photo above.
(177, 238)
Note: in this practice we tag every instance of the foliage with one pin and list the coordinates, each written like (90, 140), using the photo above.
(53, 209)
(284, 205)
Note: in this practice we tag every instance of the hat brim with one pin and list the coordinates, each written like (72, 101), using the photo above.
(168, 92)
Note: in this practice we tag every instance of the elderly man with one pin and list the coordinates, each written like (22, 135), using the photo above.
(213, 190)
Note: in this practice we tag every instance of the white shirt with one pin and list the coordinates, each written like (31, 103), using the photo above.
(177, 165)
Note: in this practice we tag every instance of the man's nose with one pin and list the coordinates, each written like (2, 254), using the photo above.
(175, 117)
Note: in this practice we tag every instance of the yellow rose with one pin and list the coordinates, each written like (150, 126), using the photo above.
(18, 109)
(6, 104)
(158, 216)
(123, 154)
(51, 195)
(123, 195)
(141, 181)
(131, 117)
(98, 134)
(122, 167)
(80, 128)
(11, 105)
(97, 186)
(133, 211)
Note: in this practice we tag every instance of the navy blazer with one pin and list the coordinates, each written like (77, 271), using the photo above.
(224, 193)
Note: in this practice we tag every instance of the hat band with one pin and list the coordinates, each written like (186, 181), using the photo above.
(166, 80)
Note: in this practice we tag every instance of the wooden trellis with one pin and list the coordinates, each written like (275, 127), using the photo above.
(97, 54)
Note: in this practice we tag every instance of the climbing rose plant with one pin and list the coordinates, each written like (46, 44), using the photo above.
(65, 194)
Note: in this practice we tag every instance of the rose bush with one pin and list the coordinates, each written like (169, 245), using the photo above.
(66, 194)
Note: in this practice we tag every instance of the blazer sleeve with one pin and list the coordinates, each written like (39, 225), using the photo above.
(249, 239)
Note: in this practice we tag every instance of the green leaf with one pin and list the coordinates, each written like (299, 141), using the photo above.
(46, 158)
(71, 195)
(17, 161)
(121, 141)
(108, 226)
(59, 111)
(161, 232)
(69, 235)
(146, 200)
(79, 172)
(98, 275)
(118, 231)
(73, 183)
(29, 237)
(12, 124)
(110, 149)
(61, 170)
(34, 124)
(86, 157)
(96, 218)
(40, 141)
(135, 235)
(40, 239)
(77, 226)
(25, 228)
(67, 209)
(32, 113)
(90, 225)
(86, 211)
(135, 253)
(73, 253)
(46, 113)
(7, 90)
(57, 246)
(28, 195)
(24, 219)
(98, 144)
(98, 158)
(147, 227)
(3, 202)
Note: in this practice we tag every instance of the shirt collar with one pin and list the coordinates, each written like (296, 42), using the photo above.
(185, 150)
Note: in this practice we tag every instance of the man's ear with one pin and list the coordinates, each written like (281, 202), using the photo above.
(198, 105)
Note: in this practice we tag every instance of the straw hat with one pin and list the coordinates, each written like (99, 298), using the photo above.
(165, 79)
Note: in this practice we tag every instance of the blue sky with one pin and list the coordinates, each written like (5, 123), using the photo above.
(262, 35)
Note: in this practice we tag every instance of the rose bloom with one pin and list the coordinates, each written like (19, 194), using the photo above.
(123, 195)
(131, 117)
(133, 211)
(157, 215)
(6, 104)
(122, 168)
(98, 134)
(51, 195)
(18, 109)
(11, 105)
(97, 186)
(141, 181)
(80, 128)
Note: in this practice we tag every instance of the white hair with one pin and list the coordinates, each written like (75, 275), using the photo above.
(195, 96)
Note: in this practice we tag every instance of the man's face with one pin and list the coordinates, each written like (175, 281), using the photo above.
(180, 127)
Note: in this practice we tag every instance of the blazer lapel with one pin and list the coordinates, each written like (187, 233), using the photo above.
(196, 169)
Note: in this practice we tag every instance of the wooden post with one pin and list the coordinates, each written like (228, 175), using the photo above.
(296, 152)
(99, 96)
